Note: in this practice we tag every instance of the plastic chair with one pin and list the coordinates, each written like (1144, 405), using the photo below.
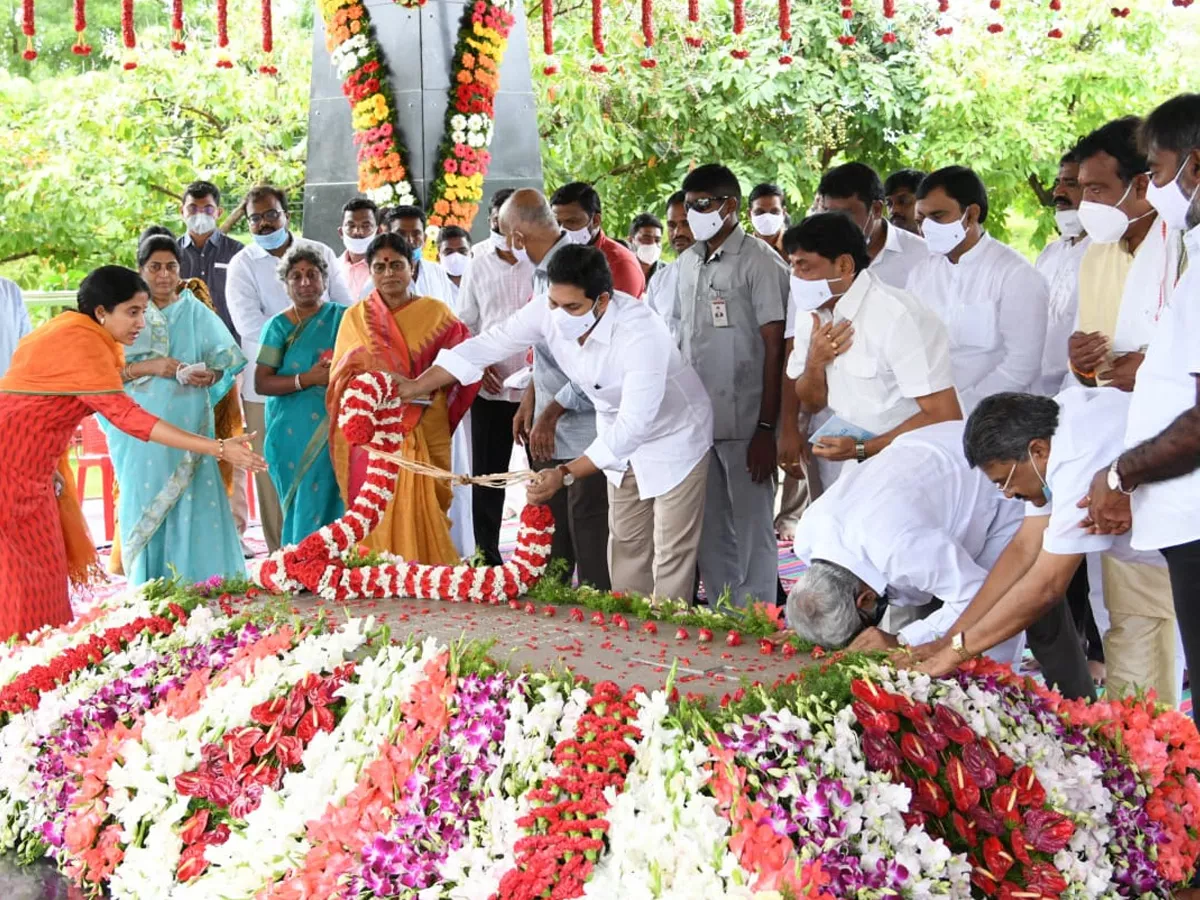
(93, 451)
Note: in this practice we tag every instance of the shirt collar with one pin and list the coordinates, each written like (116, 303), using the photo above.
(978, 253)
(554, 248)
(215, 237)
(891, 238)
(732, 245)
(602, 333)
(1191, 240)
(851, 301)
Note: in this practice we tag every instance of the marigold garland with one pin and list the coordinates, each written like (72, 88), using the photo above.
(27, 28)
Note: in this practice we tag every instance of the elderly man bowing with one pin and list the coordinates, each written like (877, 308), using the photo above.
(913, 526)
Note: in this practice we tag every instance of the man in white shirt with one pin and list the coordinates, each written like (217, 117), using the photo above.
(1156, 482)
(254, 294)
(653, 416)
(1059, 264)
(431, 280)
(360, 225)
(662, 291)
(14, 321)
(916, 525)
(1044, 450)
(855, 189)
(872, 354)
(991, 300)
(900, 193)
(768, 215)
(495, 286)
(645, 240)
(454, 255)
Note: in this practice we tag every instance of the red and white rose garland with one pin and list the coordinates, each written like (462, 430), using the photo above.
(372, 416)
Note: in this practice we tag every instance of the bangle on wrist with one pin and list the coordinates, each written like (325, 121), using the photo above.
(299, 386)
(860, 451)
(1091, 376)
(220, 448)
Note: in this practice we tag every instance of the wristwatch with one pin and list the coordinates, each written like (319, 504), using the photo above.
(959, 645)
(568, 478)
(1114, 478)
(860, 451)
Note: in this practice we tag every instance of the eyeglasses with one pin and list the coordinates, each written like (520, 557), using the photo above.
(1008, 480)
(191, 209)
(395, 268)
(271, 215)
(171, 268)
(704, 204)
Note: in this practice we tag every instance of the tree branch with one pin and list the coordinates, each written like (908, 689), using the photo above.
(24, 254)
(1045, 197)
(163, 190)
(200, 113)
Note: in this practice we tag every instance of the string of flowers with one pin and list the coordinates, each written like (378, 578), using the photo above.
(889, 13)
(1055, 33)
(739, 25)
(129, 38)
(551, 66)
(598, 65)
(943, 30)
(223, 60)
(846, 38)
(648, 60)
(177, 43)
(79, 48)
(785, 31)
(268, 41)
(692, 39)
(356, 57)
(994, 27)
(463, 155)
(27, 28)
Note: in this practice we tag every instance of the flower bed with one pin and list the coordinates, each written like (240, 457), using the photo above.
(244, 758)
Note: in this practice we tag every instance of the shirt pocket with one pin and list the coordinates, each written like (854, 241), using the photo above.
(859, 376)
(974, 325)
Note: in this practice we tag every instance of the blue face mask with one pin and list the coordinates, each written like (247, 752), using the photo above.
(1046, 492)
(417, 253)
(272, 241)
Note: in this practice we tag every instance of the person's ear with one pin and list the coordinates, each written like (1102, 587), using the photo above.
(1140, 184)
(866, 600)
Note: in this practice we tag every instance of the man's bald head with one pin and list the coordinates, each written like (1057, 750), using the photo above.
(528, 222)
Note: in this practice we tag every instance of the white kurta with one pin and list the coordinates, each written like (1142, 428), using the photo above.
(1059, 264)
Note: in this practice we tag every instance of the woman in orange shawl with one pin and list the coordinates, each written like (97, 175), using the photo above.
(393, 331)
(63, 372)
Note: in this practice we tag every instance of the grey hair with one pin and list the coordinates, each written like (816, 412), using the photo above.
(1003, 425)
(821, 605)
(528, 208)
(302, 251)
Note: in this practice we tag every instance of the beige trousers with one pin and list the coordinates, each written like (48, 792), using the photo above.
(1139, 648)
(269, 512)
(652, 544)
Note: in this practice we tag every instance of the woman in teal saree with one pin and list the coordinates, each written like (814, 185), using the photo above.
(173, 509)
(292, 373)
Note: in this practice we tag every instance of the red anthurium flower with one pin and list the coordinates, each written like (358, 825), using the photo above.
(191, 830)
(247, 801)
(217, 836)
(982, 879)
(873, 695)
(1048, 831)
(1046, 878)
(1020, 847)
(986, 821)
(881, 751)
(952, 725)
(224, 790)
(930, 798)
(1029, 790)
(978, 763)
(966, 830)
(191, 863)
(1010, 891)
(915, 752)
(296, 705)
(997, 859)
(1004, 803)
(928, 732)
(289, 750)
(963, 788)
(189, 784)
(915, 819)
(268, 713)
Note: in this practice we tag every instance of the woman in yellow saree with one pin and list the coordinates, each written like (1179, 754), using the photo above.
(394, 331)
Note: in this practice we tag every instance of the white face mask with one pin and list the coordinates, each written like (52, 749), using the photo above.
(357, 246)
(811, 295)
(499, 241)
(767, 224)
(582, 237)
(1068, 222)
(942, 237)
(572, 328)
(649, 253)
(1106, 224)
(1170, 201)
(202, 223)
(705, 225)
(455, 264)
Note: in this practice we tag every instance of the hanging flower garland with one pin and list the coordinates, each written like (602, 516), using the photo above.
(648, 61)
(551, 66)
(943, 30)
(739, 25)
(889, 13)
(994, 27)
(27, 28)
(692, 39)
(223, 60)
(598, 36)
(127, 34)
(358, 61)
(79, 48)
(846, 38)
(268, 41)
(463, 157)
(785, 31)
(1055, 33)
(177, 43)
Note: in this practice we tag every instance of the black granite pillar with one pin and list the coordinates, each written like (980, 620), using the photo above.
(418, 45)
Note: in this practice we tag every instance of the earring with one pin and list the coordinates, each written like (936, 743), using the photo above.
(101, 321)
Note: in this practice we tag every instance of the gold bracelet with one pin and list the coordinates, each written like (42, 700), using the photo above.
(220, 448)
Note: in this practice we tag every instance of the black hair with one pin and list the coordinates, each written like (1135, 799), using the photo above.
(107, 288)
(262, 191)
(961, 184)
(903, 180)
(152, 230)
(151, 244)
(1068, 158)
(582, 266)
(679, 197)
(1002, 426)
(1173, 126)
(644, 220)
(853, 179)
(388, 241)
(403, 212)
(766, 189)
(1119, 139)
(356, 203)
(499, 197)
(578, 192)
(829, 235)
(199, 189)
(714, 179)
(449, 232)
